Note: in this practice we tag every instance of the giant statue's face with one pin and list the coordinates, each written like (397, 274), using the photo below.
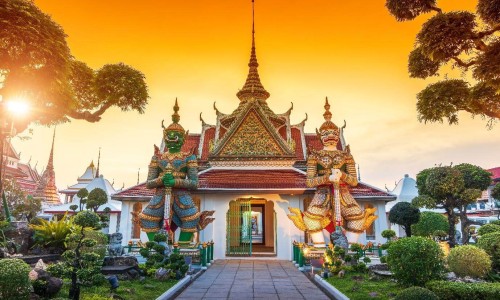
(174, 141)
(329, 137)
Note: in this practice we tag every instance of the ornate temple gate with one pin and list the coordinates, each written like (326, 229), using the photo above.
(239, 229)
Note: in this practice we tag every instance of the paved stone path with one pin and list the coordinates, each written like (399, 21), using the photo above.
(252, 279)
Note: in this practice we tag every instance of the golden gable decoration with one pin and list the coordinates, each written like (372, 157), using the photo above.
(252, 139)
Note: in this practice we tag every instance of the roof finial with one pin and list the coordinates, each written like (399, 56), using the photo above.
(253, 87)
(98, 163)
(138, 171)
(359, 174)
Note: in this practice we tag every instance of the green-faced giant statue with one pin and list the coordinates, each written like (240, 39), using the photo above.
(173, 173)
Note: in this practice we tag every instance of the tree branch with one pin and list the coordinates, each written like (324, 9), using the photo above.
(462, 63)
(437, 9)
(482, 34)
(90, 116)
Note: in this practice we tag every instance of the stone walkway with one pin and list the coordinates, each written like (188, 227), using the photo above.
(252, 279)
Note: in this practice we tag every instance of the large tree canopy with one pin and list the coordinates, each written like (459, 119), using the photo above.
(452, 189)
(465, 40)
(36, 64)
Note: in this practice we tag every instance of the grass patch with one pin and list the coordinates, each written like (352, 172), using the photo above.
(358, 286)
(129, 290)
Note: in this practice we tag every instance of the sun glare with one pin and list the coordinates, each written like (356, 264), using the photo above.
(17, 107)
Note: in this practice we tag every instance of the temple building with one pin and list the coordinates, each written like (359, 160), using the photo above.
(90, 180)
(46, 190)
(252, 165)
(26, 176)
(82, 182)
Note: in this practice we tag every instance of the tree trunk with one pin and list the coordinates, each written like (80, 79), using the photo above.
(74, 290)
(407, 230)
(451, 228)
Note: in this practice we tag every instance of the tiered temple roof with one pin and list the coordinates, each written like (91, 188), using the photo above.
(26, 177)
(82, 181)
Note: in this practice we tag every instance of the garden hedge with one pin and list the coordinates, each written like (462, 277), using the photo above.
(448, 290)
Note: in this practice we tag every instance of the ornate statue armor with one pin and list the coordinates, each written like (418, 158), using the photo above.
(173, 174)
(331, 172)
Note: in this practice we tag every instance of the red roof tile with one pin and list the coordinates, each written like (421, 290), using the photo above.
(299, 151)
(209, 136)
(14, 172)
(252, 179)
(496, 173)
(281, 179)
(191, 143)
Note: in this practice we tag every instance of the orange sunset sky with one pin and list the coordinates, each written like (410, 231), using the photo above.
(354, 52)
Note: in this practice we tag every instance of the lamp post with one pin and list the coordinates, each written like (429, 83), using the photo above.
(8, 109)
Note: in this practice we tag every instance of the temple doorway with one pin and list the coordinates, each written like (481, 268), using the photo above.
(251, 228)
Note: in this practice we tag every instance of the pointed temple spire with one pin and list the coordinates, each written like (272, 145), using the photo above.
(253, 88)
(47, 190)
(98, 163)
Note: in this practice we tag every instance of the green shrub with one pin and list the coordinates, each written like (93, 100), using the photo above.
(469, 260)
(52, 233)
(388, 234)
(87, 219)
(488, 228)
(14, 280)
(448, 290)
(496, 222)
(415, 260)
(428, 223)
(383, 259)
(491, 244)
(101, 242)
(416, 293)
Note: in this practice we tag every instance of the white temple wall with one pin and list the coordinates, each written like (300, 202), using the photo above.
(126, 222)
(285, 233)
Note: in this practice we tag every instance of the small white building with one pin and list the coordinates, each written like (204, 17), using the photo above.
(114, 206)
(405, 190)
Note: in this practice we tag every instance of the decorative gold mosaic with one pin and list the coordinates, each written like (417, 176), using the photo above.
(252, 139)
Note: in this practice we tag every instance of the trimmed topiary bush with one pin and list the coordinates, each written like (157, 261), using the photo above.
(491, 244)
(415, 260)
(448, 290)
(14, 280)
(469, 260)
(416, 293)
(101, 243)
(388, 234)
(429, 223)
(496, 222)
(488, 228)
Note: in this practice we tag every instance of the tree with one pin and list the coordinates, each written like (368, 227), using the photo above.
(429, 223)
(78, 263)
(36, 63)
(452, 189)
(465, 40)
(96, 198)
(495, 194)
(404, 214)
(20, 204)
(82, 194)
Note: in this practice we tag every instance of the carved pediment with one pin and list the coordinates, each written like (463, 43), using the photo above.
(252, 136)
